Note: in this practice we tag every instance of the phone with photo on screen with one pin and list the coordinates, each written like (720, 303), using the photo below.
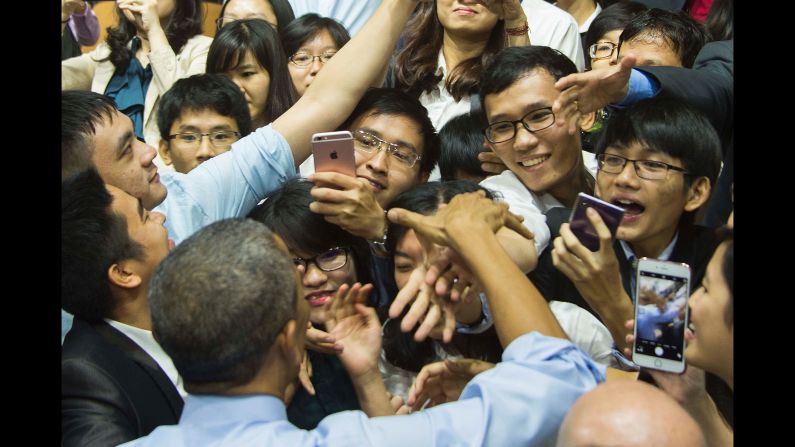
(661, 294)
(333, 152)
(581, 226)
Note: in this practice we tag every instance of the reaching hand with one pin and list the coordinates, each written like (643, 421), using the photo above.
(320, 341)
(349, 203)
(356, 328)
(436, 312)
(509, 10)
(444, 381)
(582, 93)
(398, 406)
(490, 162)
(141, 12)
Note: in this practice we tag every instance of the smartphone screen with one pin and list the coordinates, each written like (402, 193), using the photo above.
(661, 316)
(581, 226)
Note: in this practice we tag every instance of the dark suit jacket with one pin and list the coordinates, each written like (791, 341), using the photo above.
(111, 390)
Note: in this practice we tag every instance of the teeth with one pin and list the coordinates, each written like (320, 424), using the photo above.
(533, 161)
(626, 202)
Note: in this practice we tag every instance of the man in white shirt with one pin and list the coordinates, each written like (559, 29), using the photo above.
(555, 28)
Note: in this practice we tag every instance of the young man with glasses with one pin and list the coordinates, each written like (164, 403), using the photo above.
(545, 163)
(203, 105)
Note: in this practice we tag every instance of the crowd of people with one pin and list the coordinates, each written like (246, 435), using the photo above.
(217, 290)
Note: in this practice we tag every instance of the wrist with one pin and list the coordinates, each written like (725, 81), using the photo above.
(378, 237)
(517, 28)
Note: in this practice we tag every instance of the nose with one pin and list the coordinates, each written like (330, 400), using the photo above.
(205, 150)
(147, 155)
(379, 162)
(313, 276)
(628, 177)
(315, 66)
(524, 139)
(158, 217)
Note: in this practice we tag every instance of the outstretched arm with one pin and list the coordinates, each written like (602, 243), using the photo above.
(342, 82)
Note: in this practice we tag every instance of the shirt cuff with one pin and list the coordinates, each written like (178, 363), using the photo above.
(481, 326)
(641, 86)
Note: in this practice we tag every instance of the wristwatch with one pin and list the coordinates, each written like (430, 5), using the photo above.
(379, 245)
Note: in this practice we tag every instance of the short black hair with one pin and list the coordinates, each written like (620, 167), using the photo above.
(308, 25)
(390, 101)
(218, 302)
(462, 140)
(615, 16)
(235, 40)
(670, 126)
(679, 30)
(93, 238)
(514, 63)
(206, 91)
(81, 113)
(286, 212)
(281, 9)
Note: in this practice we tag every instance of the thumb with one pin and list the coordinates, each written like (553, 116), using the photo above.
(405, 217)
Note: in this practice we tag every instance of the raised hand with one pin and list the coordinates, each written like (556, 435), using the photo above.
(141, 12)
(320, 341)
(356, 328)
(349, 203)
(437, 313)
(442, 382)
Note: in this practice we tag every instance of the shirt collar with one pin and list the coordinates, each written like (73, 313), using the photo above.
(664, 256)
(213, 410)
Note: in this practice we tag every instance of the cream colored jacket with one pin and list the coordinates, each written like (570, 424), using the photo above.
(92, 71)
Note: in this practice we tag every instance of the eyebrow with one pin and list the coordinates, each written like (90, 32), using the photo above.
(192, 128)
(121, 144)
(528, 108)
(398, 142)
(405, 255)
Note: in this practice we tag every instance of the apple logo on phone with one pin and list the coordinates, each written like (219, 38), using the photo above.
(333, 155)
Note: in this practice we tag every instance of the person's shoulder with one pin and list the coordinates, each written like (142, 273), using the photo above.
(199, 41)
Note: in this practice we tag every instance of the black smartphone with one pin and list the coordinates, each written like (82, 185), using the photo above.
(581, 226)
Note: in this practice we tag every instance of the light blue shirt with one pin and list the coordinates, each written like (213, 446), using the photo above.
(229, 185)
(353, 14)
(521, 401)
(641, 86)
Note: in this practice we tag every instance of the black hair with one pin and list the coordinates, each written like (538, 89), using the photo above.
(669, 126)
(308, 25)
(390, 101)
(81, 113)
(230, 46)
(720, 20)
(511, 64)
(684, 35)
(93, 238)
(184, 23)
(281, 9)
(615, 16)
(462, 140)
(286, 212)
(400, 348)
(206, 91)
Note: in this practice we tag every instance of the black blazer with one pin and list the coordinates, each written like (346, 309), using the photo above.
(112, 391)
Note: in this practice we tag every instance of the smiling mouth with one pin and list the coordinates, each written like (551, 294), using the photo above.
(318, 299)
(631, 208)
(376, 186)
(534, 161)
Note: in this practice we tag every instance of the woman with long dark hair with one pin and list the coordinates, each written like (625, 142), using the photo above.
(154, 43)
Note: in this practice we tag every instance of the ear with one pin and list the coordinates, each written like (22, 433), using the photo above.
(121, 275)
(587, 121)
(163, 150)
(698, 194)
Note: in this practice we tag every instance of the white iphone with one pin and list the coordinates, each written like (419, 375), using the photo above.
(662, 290)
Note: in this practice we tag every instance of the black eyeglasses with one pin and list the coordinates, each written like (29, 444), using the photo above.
(370, 144)
(221, 139)
(602, 50)
(328, 261)
(303, 59)
(645, 169)
(532, 121)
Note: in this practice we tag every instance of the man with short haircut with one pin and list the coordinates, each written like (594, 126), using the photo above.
(202, 105)
(238, 354)
(662, 38)
(630, 414)
(117, 383)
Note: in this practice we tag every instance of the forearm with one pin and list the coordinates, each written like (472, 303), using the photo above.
(522, 251)
(614, 315)
(372, 394)
(516, 305)
(338, 88)
(514, 40)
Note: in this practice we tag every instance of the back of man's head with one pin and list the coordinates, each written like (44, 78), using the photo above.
(93, 238)
(678, 30)
(514, 63)
(81, 113)
(628, 413)
(219, 300)
(462, 140)
(201, 92)
(670, 126)
(391, 101)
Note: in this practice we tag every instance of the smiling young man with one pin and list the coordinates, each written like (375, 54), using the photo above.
(545, 164)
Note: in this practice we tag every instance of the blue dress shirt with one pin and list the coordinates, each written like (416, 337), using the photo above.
(521, 401)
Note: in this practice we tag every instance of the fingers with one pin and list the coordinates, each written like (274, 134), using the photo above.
(304, 374)
(514, 222)
(407, 293)
(449, 322)
(429, 322)
(573, 244)
(341, 181)
(427, 371)
(320, 341)
(418, 308)
(605, 236)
